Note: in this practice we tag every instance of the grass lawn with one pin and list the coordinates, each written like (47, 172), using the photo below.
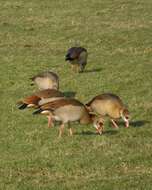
(34, 37)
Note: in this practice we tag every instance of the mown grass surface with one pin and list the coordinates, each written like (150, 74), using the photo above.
(34, 36)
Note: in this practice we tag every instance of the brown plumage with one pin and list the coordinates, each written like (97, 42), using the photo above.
(77, 56)
(109, 105)
(66, 111)
(46, 80)
(40, 98)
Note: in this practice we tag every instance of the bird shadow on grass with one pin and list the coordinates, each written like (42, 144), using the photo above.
(110, 132)
(138, 123)
(92, 70)
(86, 133)
(70, 94)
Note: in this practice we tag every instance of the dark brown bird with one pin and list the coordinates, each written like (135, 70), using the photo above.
(109, 105)
(39, 98)
(67, 111)
(46, 80)
(77, 56)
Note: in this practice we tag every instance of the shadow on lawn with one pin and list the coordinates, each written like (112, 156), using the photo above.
(92, 71)
(138, 123)
(110, 132)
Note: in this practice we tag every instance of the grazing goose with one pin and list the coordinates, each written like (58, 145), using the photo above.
(46, 80)
(110, 105)
(77, 56)
(39, 98)
(68, 110)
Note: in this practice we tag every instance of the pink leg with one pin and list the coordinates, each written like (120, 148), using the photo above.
(127, 124)
(70, 131)
(61, 129)
(50, 123)
(114, 124)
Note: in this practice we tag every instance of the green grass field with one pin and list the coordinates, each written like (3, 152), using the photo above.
(34, 37)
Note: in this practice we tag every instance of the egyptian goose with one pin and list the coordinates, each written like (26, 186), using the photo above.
(110, 105)
(77, 56)
(67, 111)
(46, 80)
(39, 98)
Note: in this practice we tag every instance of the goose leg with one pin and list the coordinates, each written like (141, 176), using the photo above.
(61, 129)
(81, 68)
(50, 122)
(114, 124)
(127, 123)
(77, 68)
(70, 131)
(74, 67)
